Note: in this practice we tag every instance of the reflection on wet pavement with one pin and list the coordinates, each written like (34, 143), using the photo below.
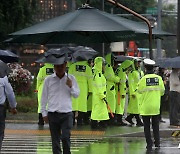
(130, 146)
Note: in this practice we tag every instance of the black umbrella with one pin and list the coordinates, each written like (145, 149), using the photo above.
(55, 56)
(4, 69)
(171, 63)
(8, 56)
(81, 53)
(160, 61)
(120, 58)
(85, 25)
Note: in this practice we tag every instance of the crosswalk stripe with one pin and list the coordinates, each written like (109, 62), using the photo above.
(29, 144)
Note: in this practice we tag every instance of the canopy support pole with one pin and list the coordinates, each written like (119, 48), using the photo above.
(140, 17)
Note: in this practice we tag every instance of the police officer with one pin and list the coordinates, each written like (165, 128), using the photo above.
(133, 104)
(111, 80)
(83, 74)
(151, 88)
(44, 71)
(99, 106)
(121, 90)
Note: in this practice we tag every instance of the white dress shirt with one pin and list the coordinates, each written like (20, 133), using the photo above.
(56, 95)
(7, 90)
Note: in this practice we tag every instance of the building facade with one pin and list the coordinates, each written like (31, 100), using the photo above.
(47, 9)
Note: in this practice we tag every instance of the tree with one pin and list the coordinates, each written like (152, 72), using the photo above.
(169, 24)
(15, 15)
(139, 6)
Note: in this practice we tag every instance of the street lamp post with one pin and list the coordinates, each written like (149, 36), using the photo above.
(159, 53)
(178, 29)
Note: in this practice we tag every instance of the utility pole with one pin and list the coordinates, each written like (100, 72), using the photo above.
(178, 29)
(103, 45)
(159, 46)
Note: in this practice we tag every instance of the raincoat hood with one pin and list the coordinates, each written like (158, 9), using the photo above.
(98, 63)
(108, 58)
(126, 64)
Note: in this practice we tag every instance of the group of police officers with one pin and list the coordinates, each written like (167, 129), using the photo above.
(106, 86)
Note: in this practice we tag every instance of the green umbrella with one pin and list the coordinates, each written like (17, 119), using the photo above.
(85, 25)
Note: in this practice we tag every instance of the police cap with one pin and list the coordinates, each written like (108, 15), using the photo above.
(148, 62)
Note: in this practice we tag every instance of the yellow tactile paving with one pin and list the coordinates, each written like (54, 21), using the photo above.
(46, 132)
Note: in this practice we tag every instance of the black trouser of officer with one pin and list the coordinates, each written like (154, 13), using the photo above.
(60, 125)
(2, 123)
(147, 130)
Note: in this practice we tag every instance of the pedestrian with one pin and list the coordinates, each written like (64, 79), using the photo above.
(56, 104)
(99, 107)
(174, 82)
(44, 71)
(151, 88)
(6, 90)
(163, 98)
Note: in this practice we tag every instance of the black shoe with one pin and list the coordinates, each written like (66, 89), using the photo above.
(41, 123)
(129, 121)
(157, 145)
(162, 121)
(122, 124)
(139, 124)
(149, 148)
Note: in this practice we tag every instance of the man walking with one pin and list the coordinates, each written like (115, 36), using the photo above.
(56, 105)
(6, 90)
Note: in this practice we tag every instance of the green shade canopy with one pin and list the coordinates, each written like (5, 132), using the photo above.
(85, 25)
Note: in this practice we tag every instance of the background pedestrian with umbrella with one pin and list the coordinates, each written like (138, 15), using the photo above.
(174, 82)
(6, 90)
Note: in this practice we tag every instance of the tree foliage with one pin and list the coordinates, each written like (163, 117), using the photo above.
(139, 6)
(15, 15)
(169, 24)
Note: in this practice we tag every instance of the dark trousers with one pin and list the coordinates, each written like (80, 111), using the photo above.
(2, 123)
(174, 113)
(147, 130)
(60, 125)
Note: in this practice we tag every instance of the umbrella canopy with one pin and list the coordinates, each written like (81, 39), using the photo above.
(54, 56)
(8, 56)
(81, 53)
(85, 25)
(171, 63)
(120, 58)
(74, 54)
(5, 70)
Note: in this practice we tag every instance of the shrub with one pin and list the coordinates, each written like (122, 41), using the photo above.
(20, 79)
(26, 104)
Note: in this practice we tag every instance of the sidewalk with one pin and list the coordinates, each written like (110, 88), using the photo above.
(31, 126)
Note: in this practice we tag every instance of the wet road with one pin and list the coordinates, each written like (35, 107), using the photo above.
(21, 138)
